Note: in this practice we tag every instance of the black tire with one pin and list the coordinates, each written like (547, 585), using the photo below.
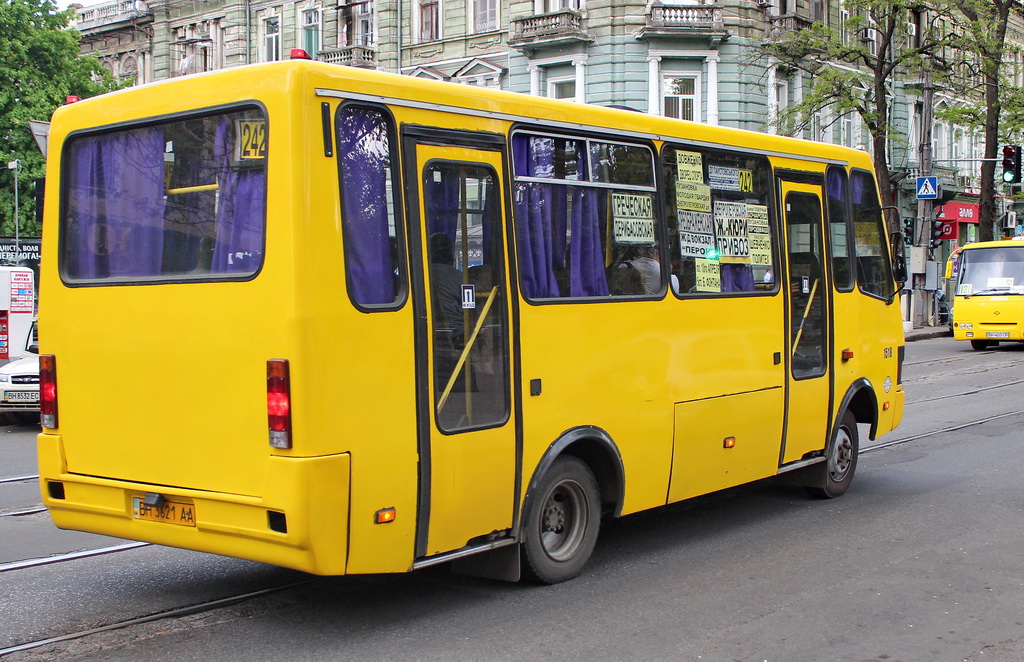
(833, 477)
(979, 345)
(561, 522)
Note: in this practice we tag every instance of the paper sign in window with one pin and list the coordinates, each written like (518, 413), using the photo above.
(731, 232)
(633, 218)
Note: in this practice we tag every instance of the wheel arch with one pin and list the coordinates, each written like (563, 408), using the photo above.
(860, 400)
(598, 451)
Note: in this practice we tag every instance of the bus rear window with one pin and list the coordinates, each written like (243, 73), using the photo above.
(169, 201)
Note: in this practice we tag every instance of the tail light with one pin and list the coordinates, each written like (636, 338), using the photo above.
(299, 54)
(48, 390)
(279, 403)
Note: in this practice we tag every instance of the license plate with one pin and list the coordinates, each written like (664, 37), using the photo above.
(169, 512)
(21, 396)
(997, 334)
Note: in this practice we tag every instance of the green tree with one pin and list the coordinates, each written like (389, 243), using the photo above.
(39, 67)
(846, 73)
(974, 71)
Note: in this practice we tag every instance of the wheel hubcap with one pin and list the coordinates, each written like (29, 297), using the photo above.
(563, 520)
(841, 458)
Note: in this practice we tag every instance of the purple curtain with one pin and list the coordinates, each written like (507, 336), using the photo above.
(533, 213)
(240, 210)
(116, 205)
(857, 190)
(586, 259)
(365, 151)
(441, 196)
(737, 277)
(544, 222)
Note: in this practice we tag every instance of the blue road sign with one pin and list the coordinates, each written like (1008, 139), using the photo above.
(927, 188)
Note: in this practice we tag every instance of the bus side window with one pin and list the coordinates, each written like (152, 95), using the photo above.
(373, 260)
(840, 235)
(720, 222)
(576, 235)
(874, 273)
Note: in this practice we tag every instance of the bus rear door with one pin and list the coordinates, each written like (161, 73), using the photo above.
(467, 432)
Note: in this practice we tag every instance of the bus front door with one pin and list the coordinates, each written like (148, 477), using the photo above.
(467, 440)
(809, 394)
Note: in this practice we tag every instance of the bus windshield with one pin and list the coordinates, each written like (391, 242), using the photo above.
(997, 270)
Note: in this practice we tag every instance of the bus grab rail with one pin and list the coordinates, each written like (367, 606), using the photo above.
(807, 311)
(465, 350)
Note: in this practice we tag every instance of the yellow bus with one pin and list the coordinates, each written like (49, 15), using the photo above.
(988, 292)
(351, 322)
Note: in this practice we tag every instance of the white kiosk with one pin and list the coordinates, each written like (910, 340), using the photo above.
(17, 309)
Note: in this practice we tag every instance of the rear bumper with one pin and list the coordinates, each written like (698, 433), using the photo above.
(1013, 332)
(312, 493)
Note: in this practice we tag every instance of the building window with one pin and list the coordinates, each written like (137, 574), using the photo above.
(363, 24)
(485, 15)
(271, 39)
(680, 97)
(846, 130)
(817, 8)
(869, 36)
(562, 88)
(563, 5)
(429, 20)
(818, 127)
(844, 16)
(311, 31)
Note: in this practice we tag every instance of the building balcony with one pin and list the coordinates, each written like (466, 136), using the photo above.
(697, 20)
(113, 15)
(787, 24)
(546, 30)
(353, 56)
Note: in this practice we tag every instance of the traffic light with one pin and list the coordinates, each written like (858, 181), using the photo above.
(937, 232)
(1011, 164)
(908, 231)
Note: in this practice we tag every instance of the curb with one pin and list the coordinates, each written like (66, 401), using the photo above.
(925, 334)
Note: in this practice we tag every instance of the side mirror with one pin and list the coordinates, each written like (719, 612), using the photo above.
(899, 259)
(34, 348)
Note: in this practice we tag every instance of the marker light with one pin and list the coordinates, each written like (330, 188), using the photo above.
(48, 390)
(71, 98)
(729, 442)
(384, 516)
(299, 54)
(279, 405)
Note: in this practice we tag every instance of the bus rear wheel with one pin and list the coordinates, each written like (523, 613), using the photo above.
(561, 522)
(979, 345)
(833, 477)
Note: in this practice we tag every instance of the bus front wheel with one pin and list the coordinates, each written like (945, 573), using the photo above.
(833, 477)
(561, 522)
(979, 345)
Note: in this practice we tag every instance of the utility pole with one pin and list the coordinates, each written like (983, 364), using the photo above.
(15, 165)
(924, 206)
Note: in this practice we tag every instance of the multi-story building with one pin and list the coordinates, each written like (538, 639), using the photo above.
(700, 60)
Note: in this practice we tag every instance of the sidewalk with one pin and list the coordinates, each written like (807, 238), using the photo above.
(926, 332)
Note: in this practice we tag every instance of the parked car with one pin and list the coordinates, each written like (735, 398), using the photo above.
(19, 383)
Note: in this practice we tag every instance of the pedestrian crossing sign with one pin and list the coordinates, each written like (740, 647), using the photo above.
(927, 188)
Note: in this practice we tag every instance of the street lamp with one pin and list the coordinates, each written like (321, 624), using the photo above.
(15, 165)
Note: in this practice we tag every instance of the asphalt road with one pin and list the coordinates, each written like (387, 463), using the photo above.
(920, 560)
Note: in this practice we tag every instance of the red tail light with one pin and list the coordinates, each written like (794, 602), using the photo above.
(279, 403)
(48, 390)
(299, 54)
